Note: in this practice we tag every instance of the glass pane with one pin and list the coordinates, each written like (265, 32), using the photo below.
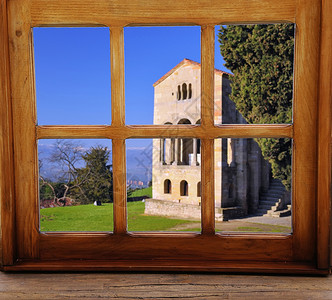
(164, 184)
(257, 87)
(75, 185)
(253, 185)
(72, 70)
(162, 72)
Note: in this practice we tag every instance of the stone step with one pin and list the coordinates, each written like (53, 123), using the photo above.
(276, 181)
(276, 189)
(261, 211)
(276, 213)
(277, 186)
(275, 199)
(267, 202)
(281, 213)
(268, 207)
(272, 195)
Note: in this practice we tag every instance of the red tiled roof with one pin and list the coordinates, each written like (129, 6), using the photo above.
(186, 61)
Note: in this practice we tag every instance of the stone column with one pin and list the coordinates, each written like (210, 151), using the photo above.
(265, 178)
(176, 152)
(181, 151)
(254, 175)
(241, 174)
(194, 161)
(167, 151)
(162, 151)
(172, 151)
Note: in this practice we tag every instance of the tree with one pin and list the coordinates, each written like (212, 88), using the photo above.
(96, 176)
(65, 157)
(261, 59)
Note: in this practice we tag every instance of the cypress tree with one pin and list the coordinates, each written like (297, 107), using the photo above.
(261, 59)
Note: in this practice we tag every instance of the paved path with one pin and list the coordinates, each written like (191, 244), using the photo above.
(283, 221)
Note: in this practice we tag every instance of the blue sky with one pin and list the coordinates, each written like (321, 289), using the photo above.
(73, 84)
(72, 68)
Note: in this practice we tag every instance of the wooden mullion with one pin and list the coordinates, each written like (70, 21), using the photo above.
(207, 203)
(118, 121)
(207, 77)
(157, 131)
(119, 186)
(207, 124)
(117, 77)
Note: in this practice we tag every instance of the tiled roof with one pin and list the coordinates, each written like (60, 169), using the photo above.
(186, 61)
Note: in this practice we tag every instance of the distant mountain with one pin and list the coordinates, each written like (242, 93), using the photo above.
(139, 163)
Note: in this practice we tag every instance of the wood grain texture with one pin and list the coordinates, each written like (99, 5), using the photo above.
(195, 248)
(167, 252)
(207, 203)
(305, 128)
(7, 245)
(153, 131)
(207, 76)
(124, 12)
(324, 138)
(175, 266)
(162, 286)
(117, 77)
(24, 120)
(119, 186)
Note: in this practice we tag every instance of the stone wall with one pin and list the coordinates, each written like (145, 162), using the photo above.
(241, 173)
(188, 211)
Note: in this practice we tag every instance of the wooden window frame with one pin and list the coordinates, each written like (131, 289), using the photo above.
(306, 250)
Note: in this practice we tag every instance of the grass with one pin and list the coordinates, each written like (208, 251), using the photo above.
(100, 218)
(142, 192)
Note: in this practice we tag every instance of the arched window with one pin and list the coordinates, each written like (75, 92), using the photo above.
(167, 187)
(199, 189)
(184, 91)
(178, 93)
(190, 91)
(184, 188)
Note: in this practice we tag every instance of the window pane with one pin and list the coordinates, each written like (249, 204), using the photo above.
(163, 181)
(253, 184)
(258, 85)
(162, 69)
(72, 70)
(75, 185)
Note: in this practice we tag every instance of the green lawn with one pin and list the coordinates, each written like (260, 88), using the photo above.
(142, 192)
(100, 218)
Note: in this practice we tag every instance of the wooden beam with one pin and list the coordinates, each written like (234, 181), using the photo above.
(124, 12)
(165, 131)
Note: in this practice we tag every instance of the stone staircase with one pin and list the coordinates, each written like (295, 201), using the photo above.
(271, 203)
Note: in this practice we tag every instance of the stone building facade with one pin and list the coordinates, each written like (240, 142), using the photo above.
(241, 173)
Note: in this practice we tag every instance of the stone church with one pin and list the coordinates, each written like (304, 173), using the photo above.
(243, 181)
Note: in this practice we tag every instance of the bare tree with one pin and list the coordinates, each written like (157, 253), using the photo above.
(67, 156)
